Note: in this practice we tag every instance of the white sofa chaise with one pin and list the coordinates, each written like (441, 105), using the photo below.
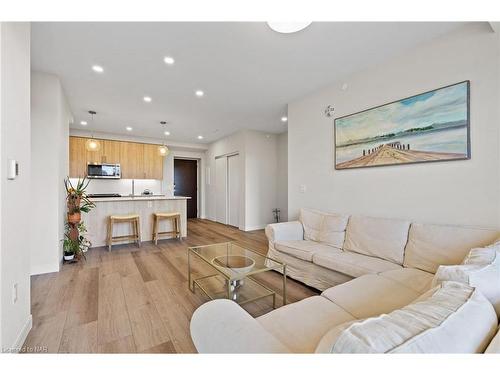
(373, 272)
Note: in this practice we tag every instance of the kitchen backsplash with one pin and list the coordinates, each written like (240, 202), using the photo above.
(124, 186)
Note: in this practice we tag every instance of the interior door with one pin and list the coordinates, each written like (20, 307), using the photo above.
(221, 190)
(233, 190)
(186, 184)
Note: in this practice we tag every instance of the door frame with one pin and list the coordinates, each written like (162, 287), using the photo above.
(198, 180)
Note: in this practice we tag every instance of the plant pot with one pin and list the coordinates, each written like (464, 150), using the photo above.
(74, 218)
(69, 257)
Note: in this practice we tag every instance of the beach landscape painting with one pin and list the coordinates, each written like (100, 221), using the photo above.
(429, 127)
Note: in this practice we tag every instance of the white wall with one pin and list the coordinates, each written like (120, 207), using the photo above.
(50, 119)
(15, 195)
(282, 175)
(456, 192)
(258, 168)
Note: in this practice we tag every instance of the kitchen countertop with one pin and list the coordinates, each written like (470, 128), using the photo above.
(138, 198)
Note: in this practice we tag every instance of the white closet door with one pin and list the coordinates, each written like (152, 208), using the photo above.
(221, 190)
(233, 186)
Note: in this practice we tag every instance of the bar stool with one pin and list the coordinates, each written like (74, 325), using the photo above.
(175, 217)
(136, 229)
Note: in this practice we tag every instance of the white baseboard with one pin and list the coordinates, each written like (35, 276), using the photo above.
(21, 338)
(45, 268)
(254, 227)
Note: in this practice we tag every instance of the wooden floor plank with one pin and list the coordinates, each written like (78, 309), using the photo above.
(135, 299)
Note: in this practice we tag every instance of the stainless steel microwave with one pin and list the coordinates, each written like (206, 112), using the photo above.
(108, 171)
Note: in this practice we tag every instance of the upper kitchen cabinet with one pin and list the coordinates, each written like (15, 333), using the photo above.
(153, 162)
(77, 157)
(137, 160)
(111, 152)
(132, 160)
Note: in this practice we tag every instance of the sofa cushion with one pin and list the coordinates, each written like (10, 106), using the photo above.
(301, 325)
(303, 249)
(494, 346)
(417, 280)
(430, 246)
(370, 295)
(480, 269)
(332, 230)
(311, 220)
(352, 264)
(453, 318)
(382, 238)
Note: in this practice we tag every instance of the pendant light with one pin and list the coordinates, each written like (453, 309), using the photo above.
(92, 145)
(163, 149)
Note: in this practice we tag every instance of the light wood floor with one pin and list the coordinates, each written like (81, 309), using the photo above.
(134, 299)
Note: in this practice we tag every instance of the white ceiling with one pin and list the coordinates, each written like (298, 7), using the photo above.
(248, 72)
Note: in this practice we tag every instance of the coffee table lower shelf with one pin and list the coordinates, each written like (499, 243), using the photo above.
(217, 287)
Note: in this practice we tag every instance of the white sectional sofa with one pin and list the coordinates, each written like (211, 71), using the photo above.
(378, 292)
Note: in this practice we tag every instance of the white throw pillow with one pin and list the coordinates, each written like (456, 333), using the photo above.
(453, 318)
(312, 221)
(480, 269)
(332, 232)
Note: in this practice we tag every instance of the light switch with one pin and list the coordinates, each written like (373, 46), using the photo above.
(303, 189)
(12, 169)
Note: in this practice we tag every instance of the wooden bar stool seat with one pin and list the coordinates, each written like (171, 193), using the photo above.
(134, 219)
(175, 217)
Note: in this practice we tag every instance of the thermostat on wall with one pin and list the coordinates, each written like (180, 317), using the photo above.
(12, 169)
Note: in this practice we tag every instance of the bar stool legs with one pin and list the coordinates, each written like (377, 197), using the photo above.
(136, 229)
(175, 218)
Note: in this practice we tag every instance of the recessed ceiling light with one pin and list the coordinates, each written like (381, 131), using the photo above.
(200, 137)
(97, 68)
(129, 128)
(169, 60)
(147, 99)
(288, 27)
(167, 133)
(284, 119)
(199, 93)
(84, 123)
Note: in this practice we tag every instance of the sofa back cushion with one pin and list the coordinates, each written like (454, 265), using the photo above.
(332, 230)
(452, 318)
(327, 228)
(382, 238)
(430, 246)
(480, 269)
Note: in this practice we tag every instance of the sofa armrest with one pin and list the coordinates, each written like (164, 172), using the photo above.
(222, 326)
(291, 230)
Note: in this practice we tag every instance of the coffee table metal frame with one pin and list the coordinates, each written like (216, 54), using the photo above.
(244, 275)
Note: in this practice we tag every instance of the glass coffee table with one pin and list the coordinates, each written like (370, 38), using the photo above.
(234, 273)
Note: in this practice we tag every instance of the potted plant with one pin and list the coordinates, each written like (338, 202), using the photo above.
(75, 244)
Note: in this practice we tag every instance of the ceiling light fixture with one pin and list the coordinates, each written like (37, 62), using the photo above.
(200, 137)
(129, 128)
(92, 144)
(169, 60)
(163, 149)
(97, 68)
(199, 93)
(84, 123)
(288, 27)
(147, 99)
(284, 119)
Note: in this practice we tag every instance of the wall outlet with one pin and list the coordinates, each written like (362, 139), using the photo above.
(14, 293)
(150, 204)
(303, 188)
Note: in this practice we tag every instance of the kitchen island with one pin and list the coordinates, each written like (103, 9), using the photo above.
(96, 220)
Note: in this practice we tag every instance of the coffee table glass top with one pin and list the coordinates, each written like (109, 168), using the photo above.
(234, 261)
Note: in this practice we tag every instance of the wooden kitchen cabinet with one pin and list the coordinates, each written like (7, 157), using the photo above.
(153, 162)
(77, 157)
(137, 160)
(111, 152)
(132, 160)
